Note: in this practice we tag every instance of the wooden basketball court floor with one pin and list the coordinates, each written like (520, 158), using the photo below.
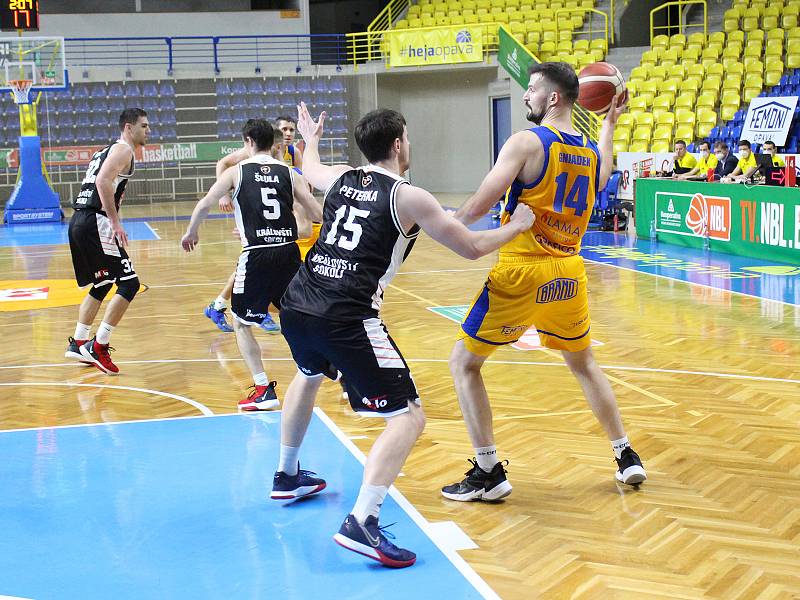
(708, 382)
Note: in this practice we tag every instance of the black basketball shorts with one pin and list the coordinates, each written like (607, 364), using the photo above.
(363, 351)
(262, 276)
(97, 258)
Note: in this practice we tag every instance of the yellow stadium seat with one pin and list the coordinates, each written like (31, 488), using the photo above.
(733, 68)
(793, 61)
(669, 85)
(401, 24)
(772, 78)
(769, 22)
(414, 23)
(706, 115)
(731, 13)
(625, 120)
(751, 13)
(657, 73)
(684, 131)
(512, 3)
(414, 10)
(716, 69)
(665, 118)
(696, 38)
(662, 102)
(704, 129)
(753, 66)
(773, 54)
(676, 72)
(427, 10)
(718, 37)
(730, 24)
(547, 49)
(691, 54)
(661, 40)
(697, 77)
(599, 44)
(428, 22)
(645, 120)
(712, 53)
(663, 129)
(706, 100)
(638, 146)
(660, 146)
(793, 35)
(453, 13)
(789, 21)
(469, 4)
(442, 21)
(749, 93)
(649, 87)
(620, 146)
(513, 12)
(642, 133)
(459, 20)
(736, 36)
(564, 47)
(727, 111)
(732, 82)
(684, 102)
(677, 40)
(755, 34)
(483, 4)
(775, 33)
(730, 97)
(774, 10)
(498, 3)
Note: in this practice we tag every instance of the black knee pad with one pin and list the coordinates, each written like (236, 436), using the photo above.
(99, 293)
(128, 288)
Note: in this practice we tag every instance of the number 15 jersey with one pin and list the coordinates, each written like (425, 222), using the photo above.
(562, 197)
(360, 248)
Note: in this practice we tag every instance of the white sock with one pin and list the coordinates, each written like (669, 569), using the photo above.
(487, 457)
(288, 460)
(82, 332)
(104, 333)
(370, 498)
(260, 378)
(620, 445)
(220, 303)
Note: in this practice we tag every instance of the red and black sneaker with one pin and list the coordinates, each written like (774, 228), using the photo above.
(97, 354)
(74, 351)
(261, 397)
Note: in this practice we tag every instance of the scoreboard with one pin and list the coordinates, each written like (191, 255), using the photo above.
(19, 15)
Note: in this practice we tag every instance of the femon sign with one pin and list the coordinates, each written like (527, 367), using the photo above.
(769, 119)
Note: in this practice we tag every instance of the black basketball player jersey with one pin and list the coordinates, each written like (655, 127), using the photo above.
(89, 197)
(263, 203)
(360, 248)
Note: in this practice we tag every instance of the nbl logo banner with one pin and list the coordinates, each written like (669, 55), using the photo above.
(695, 215)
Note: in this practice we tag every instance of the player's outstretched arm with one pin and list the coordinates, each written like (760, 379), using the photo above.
(415, 205)
(304, 197)
(517, 149)
(222, 186)
(223, 164)
(319, 175)
(606, 140)
(117, 163)
(303, 222)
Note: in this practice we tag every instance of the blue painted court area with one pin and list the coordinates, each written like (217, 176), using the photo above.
(41, 234)
(754, 277)
(180, 509)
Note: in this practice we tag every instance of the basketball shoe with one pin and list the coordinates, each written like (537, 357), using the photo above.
(218, 318)
(286, 487)
(261, 397)
(269, 325)
(98, 355)
(480, 485)
(629, 468)
(74, 351)
(370, 540)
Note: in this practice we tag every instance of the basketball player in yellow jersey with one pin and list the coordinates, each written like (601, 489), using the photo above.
(539, 279)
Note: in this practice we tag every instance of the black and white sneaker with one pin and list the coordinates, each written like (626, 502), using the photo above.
(287, 487)
(480, 485)
(74, 351)
(629, 468)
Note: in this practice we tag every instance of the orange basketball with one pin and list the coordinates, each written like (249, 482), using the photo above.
(697, 217)
(599, 83)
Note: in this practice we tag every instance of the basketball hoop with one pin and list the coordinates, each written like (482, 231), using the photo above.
(21, 89)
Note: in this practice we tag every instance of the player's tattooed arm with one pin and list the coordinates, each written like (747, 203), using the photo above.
(319, 175)
(224, 184)
(117, 163)
(510, 164)
(415, 205)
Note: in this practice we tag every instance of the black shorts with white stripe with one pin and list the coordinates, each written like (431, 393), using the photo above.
(363, 351)
(97, 258)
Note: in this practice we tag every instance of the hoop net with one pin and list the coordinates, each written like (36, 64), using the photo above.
(21, 89)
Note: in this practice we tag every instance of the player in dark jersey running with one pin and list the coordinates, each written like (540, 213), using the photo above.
(265, 191)
(97, 242)
(330, 312)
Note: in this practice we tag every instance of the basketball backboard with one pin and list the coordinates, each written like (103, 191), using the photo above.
(40, 59)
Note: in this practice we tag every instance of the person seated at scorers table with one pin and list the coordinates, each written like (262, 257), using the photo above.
(769, 158)
(682, 162)
(746, 167)
(707, 161)
(726, 162)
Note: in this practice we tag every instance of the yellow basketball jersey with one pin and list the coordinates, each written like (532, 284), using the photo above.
(288, 156)
(562, 197)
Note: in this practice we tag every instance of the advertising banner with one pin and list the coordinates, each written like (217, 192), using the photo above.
(633, 164)
(769, 119)
(435, 46)
(758, 221)
(513, 57)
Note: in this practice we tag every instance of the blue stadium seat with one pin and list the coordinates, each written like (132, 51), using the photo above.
(287, 86)
(271, 87)
(64, 106)
(97, 90)
(166, 88)
(170, 133)
(256, 105)
(255, 86)
(80, 91)
(238, 87)
(319, 86)
(149, 89)
(303, 86)
(223, 88)
(98, 104)
(115, 90)
(116, 106)
(223, 101)
(166, 103)
(99, 119)
(66, 121)
(82, 136)
(132, 91)
(336, 85)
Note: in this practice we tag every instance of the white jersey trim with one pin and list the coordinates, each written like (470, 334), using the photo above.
(385, 353)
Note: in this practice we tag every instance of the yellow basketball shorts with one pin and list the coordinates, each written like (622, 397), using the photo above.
(546, 292)
(305, 244)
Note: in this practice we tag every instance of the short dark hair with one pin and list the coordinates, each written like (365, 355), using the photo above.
(744, 143)
(771, 143)
(130, 115)
(680, 142)
(285, 118)
(376, 132)
(560, 75)
(721, 146)
(703, 143)
(260, 131)
(277, 134)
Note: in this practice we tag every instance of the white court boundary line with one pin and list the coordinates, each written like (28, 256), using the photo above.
(456, 559)
(199, 406)
(429, 360)
(153, 231)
